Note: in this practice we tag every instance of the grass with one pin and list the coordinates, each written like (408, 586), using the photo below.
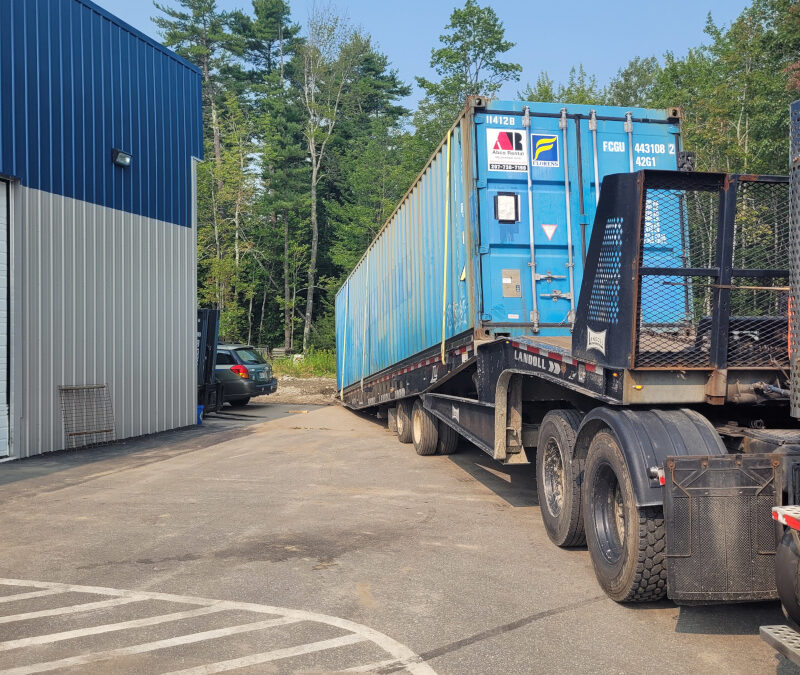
(317, 363)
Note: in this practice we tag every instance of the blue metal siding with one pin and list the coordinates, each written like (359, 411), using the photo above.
(77, 82)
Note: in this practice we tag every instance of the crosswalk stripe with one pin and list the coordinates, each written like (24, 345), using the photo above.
(147, 647)
(274, 655)
(32, 594)
(107, 628)
(70, 609)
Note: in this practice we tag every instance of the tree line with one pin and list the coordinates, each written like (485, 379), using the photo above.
(308, 148)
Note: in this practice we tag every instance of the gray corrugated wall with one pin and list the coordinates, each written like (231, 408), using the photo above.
(99, 296)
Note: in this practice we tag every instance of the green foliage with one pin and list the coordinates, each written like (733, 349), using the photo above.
(316, 363)
(468, 63)
(579, 88)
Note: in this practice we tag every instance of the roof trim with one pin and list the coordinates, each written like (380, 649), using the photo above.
(137, 33)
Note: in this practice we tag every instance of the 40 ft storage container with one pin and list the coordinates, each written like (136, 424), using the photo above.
(491, 236)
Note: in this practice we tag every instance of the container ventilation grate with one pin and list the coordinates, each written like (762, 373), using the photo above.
(88, 415)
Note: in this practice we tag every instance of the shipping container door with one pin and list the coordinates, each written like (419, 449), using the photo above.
(5, 219)
(505, 154)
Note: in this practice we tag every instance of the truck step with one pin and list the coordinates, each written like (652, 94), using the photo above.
(784, 640)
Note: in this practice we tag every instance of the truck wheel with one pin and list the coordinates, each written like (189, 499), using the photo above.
(424, 431)
(787, 575)
(404, 421)
(559, 477)
(626, 543)
(448, 439)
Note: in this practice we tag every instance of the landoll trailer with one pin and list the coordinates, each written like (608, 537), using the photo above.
(631, 340)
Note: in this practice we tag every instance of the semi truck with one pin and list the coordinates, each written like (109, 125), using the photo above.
(559, 286)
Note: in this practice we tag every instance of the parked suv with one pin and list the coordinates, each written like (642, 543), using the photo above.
(244, 373)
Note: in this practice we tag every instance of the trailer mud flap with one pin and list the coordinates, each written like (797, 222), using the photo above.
(721, 537)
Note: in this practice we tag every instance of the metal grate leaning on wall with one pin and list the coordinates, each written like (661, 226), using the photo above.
(88, 415)
(794, 254)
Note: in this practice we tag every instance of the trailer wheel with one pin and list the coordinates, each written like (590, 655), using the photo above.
(424, 430)
(626, 543)
(787, 575)
(404, 421)
(559, 477)
(448, 439)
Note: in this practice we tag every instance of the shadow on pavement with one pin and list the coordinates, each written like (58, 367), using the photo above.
(743, 619)
(516, 484)
(132, 452)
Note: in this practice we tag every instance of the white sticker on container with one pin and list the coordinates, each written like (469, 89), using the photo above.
(513, 316)
(506, 280)
(506, 150)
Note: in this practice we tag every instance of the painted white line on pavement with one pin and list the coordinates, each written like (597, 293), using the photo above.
(275, 655)
(399, 651)
(70, 609)
(83, 659)
(107, 628)
(32, 594)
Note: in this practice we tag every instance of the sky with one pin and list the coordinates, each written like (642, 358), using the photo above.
(603, 35)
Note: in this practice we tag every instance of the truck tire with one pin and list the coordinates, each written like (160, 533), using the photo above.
(787, 576)
(404, 421)
(448, 439)
(559, 477)
(626, 543)
(424, 430)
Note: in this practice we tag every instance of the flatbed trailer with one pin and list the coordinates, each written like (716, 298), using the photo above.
(661, 435)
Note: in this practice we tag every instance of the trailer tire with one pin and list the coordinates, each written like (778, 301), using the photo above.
(627, 544)
(424, 427)
(559, 475)
(404, 432)
(448, 439)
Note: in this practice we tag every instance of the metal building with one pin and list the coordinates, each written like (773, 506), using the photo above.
(100, 128)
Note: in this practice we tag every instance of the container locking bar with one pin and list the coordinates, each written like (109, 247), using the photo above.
(593, 129)
(526, 123)
(629, 131)
(562, 124)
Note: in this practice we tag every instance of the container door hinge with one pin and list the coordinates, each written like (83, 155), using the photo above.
(486, 317)
(480, 183)
(483, 249)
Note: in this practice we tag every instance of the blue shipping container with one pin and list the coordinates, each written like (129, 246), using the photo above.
(491, 236)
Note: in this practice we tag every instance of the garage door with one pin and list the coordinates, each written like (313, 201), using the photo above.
(4, 326)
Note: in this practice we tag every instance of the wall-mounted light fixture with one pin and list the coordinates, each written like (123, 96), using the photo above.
(121, 158)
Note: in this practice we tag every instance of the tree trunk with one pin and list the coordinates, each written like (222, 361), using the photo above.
(260, 335)
(287, 298)
(217, 144)
(312, 263)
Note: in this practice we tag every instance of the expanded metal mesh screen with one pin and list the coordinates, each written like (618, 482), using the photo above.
(679, 231)
(682, 225)
(88, 415)
(760, 305)
(794, 248)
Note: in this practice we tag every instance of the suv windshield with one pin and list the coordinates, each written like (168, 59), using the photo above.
(249, 356)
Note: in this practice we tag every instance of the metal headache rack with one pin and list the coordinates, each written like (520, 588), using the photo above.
(695, 268)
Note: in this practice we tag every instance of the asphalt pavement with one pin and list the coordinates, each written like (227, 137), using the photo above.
(293, 538)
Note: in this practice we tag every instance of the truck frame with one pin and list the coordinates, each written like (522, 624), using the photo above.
(661, 444)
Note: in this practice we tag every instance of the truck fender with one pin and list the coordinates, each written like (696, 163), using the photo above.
(647, 438)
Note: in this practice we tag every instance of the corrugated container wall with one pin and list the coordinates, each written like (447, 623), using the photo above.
(103, 285)
(426, 279)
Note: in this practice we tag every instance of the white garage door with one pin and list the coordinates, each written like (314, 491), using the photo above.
(4, 325)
